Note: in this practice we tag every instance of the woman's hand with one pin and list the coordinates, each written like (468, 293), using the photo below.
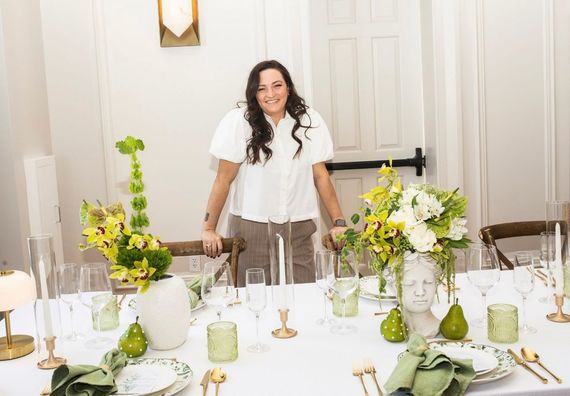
(334, 232)
(212, 243)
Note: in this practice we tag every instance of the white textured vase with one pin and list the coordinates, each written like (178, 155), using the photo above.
(164, 312)
(419, 284)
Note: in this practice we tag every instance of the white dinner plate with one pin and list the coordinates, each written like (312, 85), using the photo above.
(505, 362)
(483, 362)
(183, 372)
(143, 379)
(369, 289)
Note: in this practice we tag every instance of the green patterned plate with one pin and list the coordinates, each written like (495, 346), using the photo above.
(183, 372)
(506, 363)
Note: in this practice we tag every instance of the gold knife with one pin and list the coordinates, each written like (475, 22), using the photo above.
(519, 360)
(205, 381)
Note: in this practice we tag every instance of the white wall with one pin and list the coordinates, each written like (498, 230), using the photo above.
(108, 77)
(515, 107)
(24, 122)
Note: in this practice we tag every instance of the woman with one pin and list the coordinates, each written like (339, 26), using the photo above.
(271, 155)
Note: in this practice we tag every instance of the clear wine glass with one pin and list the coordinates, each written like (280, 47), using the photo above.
(484, 272)
(256, 300)
(95, 293)
(523, 280)
(217, 285)
(68, 274)
(322, 261)
(342, 279)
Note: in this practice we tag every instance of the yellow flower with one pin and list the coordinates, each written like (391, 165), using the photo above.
(142, 273)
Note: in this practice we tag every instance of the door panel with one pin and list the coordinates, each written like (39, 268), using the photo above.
(367, 84)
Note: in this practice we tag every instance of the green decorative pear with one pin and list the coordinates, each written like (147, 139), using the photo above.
(454, 326)
(393, 328)
(133, 341)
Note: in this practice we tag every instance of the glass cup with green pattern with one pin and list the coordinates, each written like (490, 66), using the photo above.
(502, 323)
(351, 304)
(222, 342)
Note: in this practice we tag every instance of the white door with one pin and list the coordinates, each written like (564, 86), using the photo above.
(43, 201)
(367, 84)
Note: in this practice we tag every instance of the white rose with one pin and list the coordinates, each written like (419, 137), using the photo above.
(404, 215)
(457, 229)
(409, 194)
(422, 238)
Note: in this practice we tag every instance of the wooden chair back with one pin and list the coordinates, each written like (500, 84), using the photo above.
(491, 233)
(233, 246)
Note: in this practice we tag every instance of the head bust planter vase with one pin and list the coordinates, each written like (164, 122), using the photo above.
(409, 233)
(419, 283)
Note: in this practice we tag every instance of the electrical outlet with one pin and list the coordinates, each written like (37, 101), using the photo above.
(195, 264)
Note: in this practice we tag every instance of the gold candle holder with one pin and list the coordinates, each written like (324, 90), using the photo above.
(558, 316)
(52, 361)
(284, 331)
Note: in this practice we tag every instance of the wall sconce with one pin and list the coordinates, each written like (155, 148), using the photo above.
(178, 23)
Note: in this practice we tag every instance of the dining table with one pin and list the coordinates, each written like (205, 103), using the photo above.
(315, 361)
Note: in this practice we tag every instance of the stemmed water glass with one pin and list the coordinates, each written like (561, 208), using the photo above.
(322, 261)
(256, 300)
(95, 293)
(523, 280)
(342, 279)
(68, 274)
(217, 286)
(483, 272)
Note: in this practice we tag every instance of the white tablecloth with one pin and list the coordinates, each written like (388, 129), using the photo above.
(315, 362)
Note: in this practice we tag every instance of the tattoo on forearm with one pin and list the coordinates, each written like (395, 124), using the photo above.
(207, 216)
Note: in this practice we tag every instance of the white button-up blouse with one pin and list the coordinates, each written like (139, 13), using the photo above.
(283, 184)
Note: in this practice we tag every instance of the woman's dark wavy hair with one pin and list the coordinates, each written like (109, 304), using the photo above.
(262, 132)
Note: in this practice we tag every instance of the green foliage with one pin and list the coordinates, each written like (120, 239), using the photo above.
(130, 145)
(139, 219)
(158, 259)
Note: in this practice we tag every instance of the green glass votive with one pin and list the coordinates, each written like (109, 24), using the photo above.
(222, 342)
(105, 312)
(351, 304)
(502, 323)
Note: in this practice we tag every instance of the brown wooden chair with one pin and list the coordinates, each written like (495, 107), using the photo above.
(233, 246)
(489, 234)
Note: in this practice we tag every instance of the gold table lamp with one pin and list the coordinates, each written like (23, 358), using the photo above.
(16, 289)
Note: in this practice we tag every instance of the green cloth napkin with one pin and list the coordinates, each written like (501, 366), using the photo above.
(428, 372)
(88, 380)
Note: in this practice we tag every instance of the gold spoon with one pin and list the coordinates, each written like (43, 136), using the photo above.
(531, 356)
(217, 377)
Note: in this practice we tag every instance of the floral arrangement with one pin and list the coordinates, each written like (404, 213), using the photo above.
(135, 257)
(420, 218)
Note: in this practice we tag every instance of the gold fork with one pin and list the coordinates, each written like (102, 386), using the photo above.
(370, 369)
(357, 372)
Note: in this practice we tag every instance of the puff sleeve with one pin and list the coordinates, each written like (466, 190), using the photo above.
(230, 140)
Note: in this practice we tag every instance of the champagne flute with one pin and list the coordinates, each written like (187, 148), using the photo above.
(322, 259)
(68, 274)
(342, 278)
(256, 299)
(523, 280)
(95, 293)
(217, 285)
(483, 272)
